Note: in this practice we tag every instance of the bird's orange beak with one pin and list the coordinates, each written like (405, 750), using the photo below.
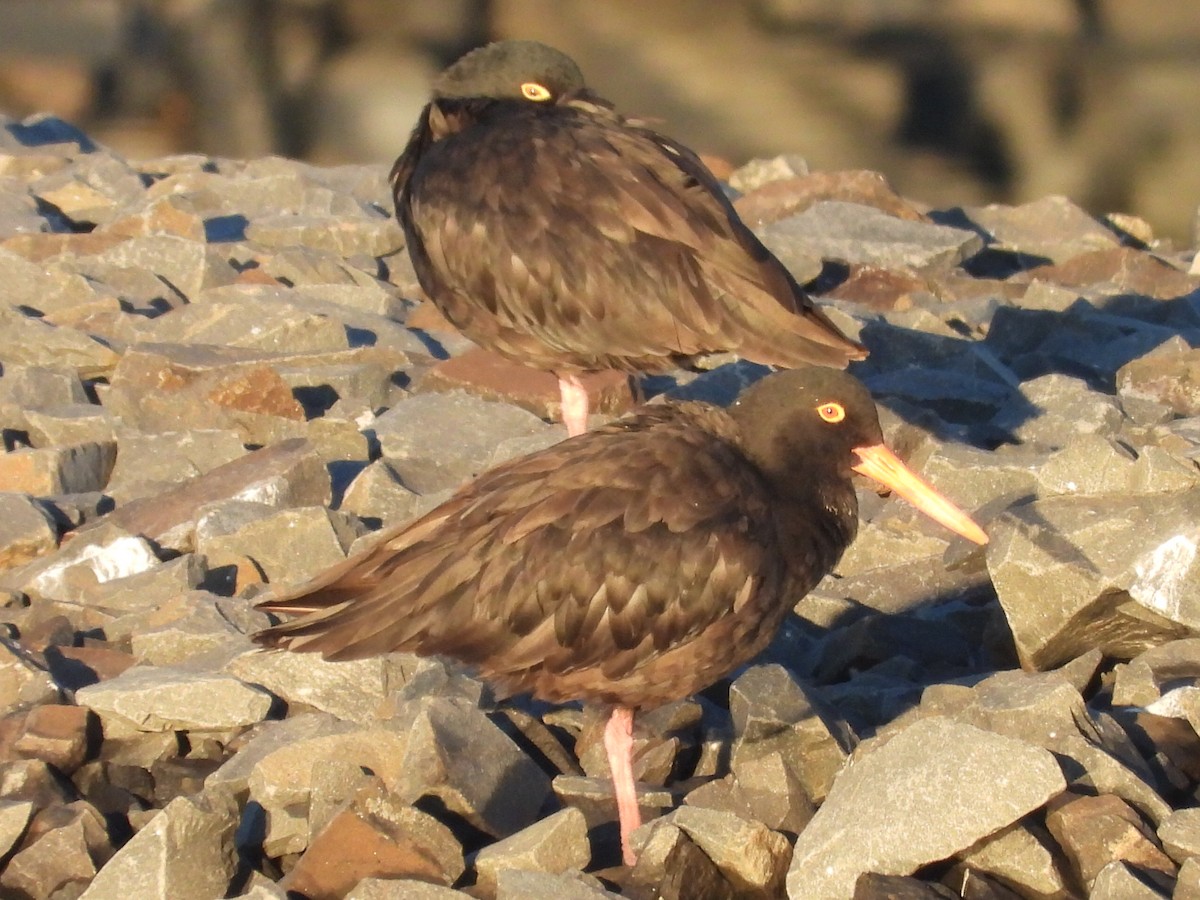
(884, 466)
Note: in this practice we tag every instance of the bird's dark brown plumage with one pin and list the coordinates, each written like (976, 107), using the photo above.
(569, 238)
(631, 565)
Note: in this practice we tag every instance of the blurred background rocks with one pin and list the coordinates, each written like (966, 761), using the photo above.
(969, 101)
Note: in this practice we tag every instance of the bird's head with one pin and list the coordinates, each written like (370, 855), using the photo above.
(511, 70)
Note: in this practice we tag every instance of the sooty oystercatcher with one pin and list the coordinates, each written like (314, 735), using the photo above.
(558, 233)
(630, 566)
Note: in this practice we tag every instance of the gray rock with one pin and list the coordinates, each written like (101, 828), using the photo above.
(70, 424)
(377, 492)
(266, 738)
(354, 690)
(27, 531)
(554, 845)
(520, 884)
(315, 539)
(1052, 409)
(1179, 834)
(1145, 678)
(1052, 227)
(773, 713)
(852, 233)
(26, 341)
(40, 387)
(188, 626)
(1119, 881)
(288, 474)
(758, 172)
(14, 817)
(340, 235)
(751, 857)
(151, 589)
(161, 698)
(1022, 855)
(929, 772)
(436, 441)
(252, 316)
(187, 266)
(1187, 885)
(1122, 581)
(494, 786)
(401, 889)
(59, 470)
(672, 866)
(72, 842)
(149, 463)
(186, 851)
(104, 553)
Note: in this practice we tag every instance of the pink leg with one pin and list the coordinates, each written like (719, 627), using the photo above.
(574, 404)
(618, 741)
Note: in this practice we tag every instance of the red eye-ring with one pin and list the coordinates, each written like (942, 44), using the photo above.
(831, 412)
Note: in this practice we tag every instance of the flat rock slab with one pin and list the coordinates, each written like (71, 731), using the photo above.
(936, 770)
(162, 699)
(1100, 553)
(186, 852)
(852, 233)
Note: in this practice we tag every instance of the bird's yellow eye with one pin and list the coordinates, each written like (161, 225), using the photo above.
(831, 412)
(531, 90)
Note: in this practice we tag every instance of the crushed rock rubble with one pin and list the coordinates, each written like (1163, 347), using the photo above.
(219, 376)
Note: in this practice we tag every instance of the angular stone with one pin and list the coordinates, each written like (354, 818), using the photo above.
(61, 851)
(287, 474)
(58, 735)
(401, 889)
(375, 836)
(14, 818)
(671, 865)
(1179, 834)
(853, 233)
(554, 845)
(152, 698)
(759, 172)
(772, 711)
(493, 785)
(415, 433)
(1052, 409)
(751, 857)
(27, 341)
(1094, 831)
(187, 266)
(787, 193)
(1169, 374)
(188, 626)
(58, 470)
(70, 424)
(353, 690)
(1122, 581)
(148, 463)
(41, 387)
(316, 539)
(102, 554)
(378, 493)
(1187, 885)
(521, 884)
(873, 886)
(1022, 855)
(186, 851)
(342, 235)
(23, 679)
(1134, 271)
(250, 316)
(26, 530)
(1052, 227)
(1120, 881)
(928, 772)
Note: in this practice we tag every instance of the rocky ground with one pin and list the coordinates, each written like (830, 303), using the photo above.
(218, 378)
